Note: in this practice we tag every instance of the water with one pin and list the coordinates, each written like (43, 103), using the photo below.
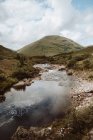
(38, 104)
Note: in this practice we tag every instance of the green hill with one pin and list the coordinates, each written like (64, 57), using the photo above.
(50, 46)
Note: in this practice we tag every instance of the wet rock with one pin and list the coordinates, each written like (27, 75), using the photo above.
(2, 98)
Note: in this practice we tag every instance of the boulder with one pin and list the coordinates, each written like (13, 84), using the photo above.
(19, 84)
(62, 68)
(69, 72)
(25, 82)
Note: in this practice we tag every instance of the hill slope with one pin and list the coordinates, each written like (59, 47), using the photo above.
(79, 60)
(50, 46)
(6, 53)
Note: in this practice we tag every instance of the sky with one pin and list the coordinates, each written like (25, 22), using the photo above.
(25, 21)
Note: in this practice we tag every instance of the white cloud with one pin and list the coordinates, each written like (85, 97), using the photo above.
(25, 21)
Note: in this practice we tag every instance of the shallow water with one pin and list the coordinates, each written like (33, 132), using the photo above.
(38, 104)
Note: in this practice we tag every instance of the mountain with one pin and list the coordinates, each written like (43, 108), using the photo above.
(50, 46)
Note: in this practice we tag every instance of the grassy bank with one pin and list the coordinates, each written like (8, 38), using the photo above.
(16, 68)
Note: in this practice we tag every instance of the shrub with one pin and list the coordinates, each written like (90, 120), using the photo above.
(71, 63)
(21, 58)
(21, 73)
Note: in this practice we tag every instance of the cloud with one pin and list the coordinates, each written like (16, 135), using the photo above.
(25, 21)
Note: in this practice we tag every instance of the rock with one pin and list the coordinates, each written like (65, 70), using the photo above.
(21, 134)
(28, 82)
(2, 98)
(91, 91)
(25, 82)
(69, 72)
(19, 84)
(62, 68)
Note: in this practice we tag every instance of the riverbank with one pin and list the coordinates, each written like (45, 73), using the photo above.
(17, 67)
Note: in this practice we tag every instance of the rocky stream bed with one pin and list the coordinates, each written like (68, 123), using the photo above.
(35, 107)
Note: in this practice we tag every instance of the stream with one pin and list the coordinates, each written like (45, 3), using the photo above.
(37, 105)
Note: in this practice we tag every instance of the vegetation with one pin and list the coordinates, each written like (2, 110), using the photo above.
(79, 60)
(14, 67)
(25, 72)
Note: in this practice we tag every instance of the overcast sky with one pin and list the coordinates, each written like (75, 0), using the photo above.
(25, 21)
